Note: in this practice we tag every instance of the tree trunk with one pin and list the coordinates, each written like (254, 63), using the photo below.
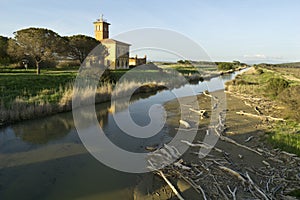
(38, 70)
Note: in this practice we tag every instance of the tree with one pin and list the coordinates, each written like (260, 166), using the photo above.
(4, 57)
(38, 43)
(81, 45)
(225, 66)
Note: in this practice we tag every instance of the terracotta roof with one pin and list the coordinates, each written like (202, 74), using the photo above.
(113, 41)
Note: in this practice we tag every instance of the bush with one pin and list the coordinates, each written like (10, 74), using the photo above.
(5, 61)
(187, 62)
(276, 86)
(226, 66)
(291, 98)
(48, 64)
(259, 71)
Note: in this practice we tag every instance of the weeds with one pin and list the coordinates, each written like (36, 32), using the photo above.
(286, 136)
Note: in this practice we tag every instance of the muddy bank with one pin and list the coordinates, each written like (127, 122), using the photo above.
(242, 165)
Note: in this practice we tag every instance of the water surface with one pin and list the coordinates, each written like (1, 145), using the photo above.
(45, 159)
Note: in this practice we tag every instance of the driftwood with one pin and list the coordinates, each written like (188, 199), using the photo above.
(238, 144)
(185, 123)
(249, 138)
(202, 113)
(234, 173)
(274, 181)
(170, 185)
(232, 192)
(256, 187)
(262, 117)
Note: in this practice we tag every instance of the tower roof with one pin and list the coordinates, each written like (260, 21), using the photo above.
(101, 20)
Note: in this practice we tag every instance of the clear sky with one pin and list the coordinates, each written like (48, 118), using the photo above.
(246, 30)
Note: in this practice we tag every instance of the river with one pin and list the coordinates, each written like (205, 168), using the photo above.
(45, 158)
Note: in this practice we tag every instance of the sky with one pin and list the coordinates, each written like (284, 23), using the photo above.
(251, 31)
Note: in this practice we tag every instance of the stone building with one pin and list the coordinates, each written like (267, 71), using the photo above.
(118, 52)
(135, 61)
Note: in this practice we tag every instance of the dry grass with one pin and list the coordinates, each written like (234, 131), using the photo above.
(23, 108)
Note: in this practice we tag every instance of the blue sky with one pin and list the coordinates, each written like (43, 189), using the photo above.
(246, 30)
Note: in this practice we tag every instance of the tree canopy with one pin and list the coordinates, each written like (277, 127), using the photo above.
(80, 46)
(38, 43)
(4, 57)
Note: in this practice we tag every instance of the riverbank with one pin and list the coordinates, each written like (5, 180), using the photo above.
(27, 96)
(242, 165)
(249, 160)
(272, 92)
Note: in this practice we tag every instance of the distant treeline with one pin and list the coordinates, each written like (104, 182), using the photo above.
(283, 65)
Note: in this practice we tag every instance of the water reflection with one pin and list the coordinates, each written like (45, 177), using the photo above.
(53, 129)
(45, 159)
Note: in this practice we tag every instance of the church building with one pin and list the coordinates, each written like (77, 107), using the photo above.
(118, 57)
(118, 52)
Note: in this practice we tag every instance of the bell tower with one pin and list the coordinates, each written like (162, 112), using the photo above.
(101, 29)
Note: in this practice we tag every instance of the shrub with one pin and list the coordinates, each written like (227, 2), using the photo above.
(276, 86)
(291, 98)
(225, 66)
(259, 71)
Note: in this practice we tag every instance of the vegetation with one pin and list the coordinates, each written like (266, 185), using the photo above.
(186, 62)
(38, 47)
(80, 46)
(25, 95)
(275, 84)
(38, 44)
(4, 57)
(286, 136)
(224, 66)
(34, 89)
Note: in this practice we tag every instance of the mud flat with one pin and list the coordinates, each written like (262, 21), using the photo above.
(242, 165)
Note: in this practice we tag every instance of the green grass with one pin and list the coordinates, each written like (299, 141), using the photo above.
(283, 135)
(286, 136)
(43, 87)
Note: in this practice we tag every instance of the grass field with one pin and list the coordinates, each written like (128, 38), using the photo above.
(31, 87)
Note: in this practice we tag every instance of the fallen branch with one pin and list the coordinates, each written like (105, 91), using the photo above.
(219, 188)
(257, 110)
(185, 123)
(262, 117)
(195, 186)
(249, 138)
(232, 192)
(170, 185)
(256, 187)
(238, 144)
(206, 94)
(202, 113)
(234, 173)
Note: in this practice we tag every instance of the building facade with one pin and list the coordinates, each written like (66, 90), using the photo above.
(135, 61)
(118, 52)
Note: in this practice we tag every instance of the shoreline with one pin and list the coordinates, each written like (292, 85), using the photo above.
(53, 109)
(34, 111)
(241, 151)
